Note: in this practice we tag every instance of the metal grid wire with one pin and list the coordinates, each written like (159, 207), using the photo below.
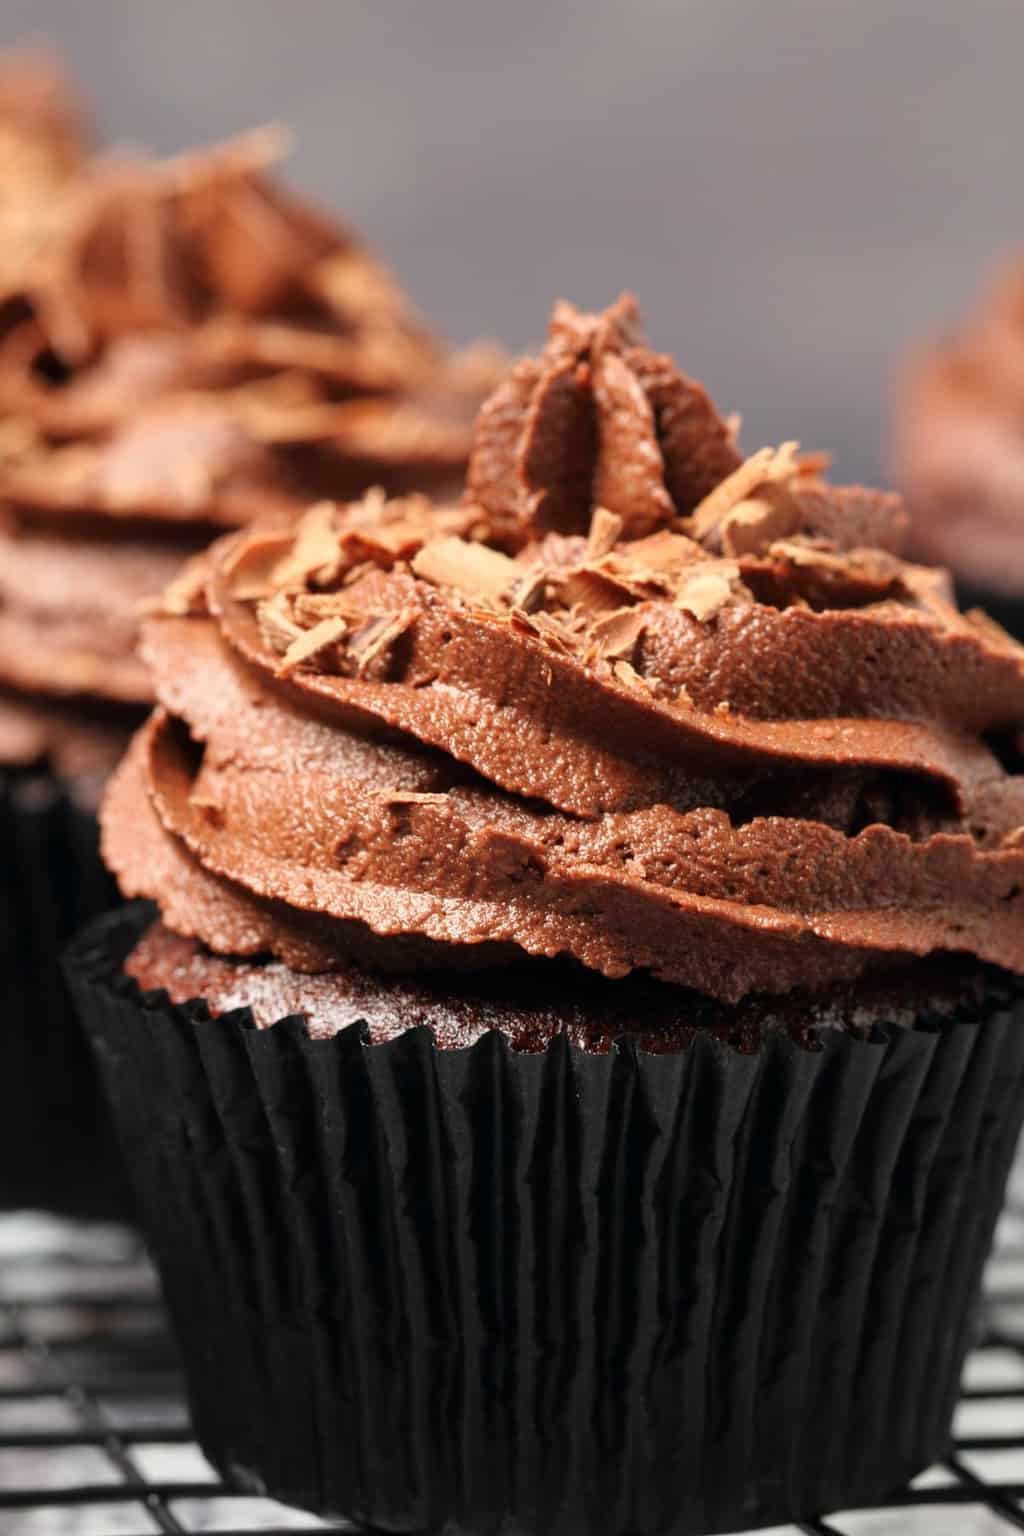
(95, 1438)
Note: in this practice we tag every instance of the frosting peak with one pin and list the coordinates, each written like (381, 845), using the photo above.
(597, 419)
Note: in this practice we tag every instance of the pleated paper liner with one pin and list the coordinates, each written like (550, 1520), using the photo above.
(57, 1147)
(561, 1292)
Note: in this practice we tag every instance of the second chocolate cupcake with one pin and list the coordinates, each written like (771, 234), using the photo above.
(572, 1068)
(184, 347)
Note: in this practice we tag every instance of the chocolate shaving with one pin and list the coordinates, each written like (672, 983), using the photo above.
(769, 467)
(523, 623)
(529, 593)
(616, 635)
(707, 590)
(311, 607)
(310, 644)
(756, 522)
(596, 588)
(555, 634)
(380, 533)
(249, 566)
(378, 637)
(605, 531)
(471, 569)
(315, 554)
(277, 623)
(625, 673)
(660, 558)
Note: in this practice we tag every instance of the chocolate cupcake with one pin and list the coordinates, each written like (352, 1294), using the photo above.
(572, 1064)
(189, 349)
(959, 451)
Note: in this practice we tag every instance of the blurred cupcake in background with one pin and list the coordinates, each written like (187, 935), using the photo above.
(959, 450)
(190, 348)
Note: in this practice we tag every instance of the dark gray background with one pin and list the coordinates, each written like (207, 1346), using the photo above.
(795, 189)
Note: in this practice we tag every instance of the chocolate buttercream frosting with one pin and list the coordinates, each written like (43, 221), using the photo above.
(193, 350)
(959, 443)
(637, 701)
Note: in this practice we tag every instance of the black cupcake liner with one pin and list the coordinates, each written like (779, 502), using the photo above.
(561, 1292)
(57, 1147)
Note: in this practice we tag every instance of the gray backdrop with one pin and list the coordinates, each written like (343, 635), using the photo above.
(794, 188)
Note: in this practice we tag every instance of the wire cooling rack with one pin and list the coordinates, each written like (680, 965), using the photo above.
(95, 1438)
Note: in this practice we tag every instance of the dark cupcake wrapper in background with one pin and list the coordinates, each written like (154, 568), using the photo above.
(57, 1147)
(560, 1292)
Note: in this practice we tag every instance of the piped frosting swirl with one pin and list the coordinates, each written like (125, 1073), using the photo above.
(637, 700)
